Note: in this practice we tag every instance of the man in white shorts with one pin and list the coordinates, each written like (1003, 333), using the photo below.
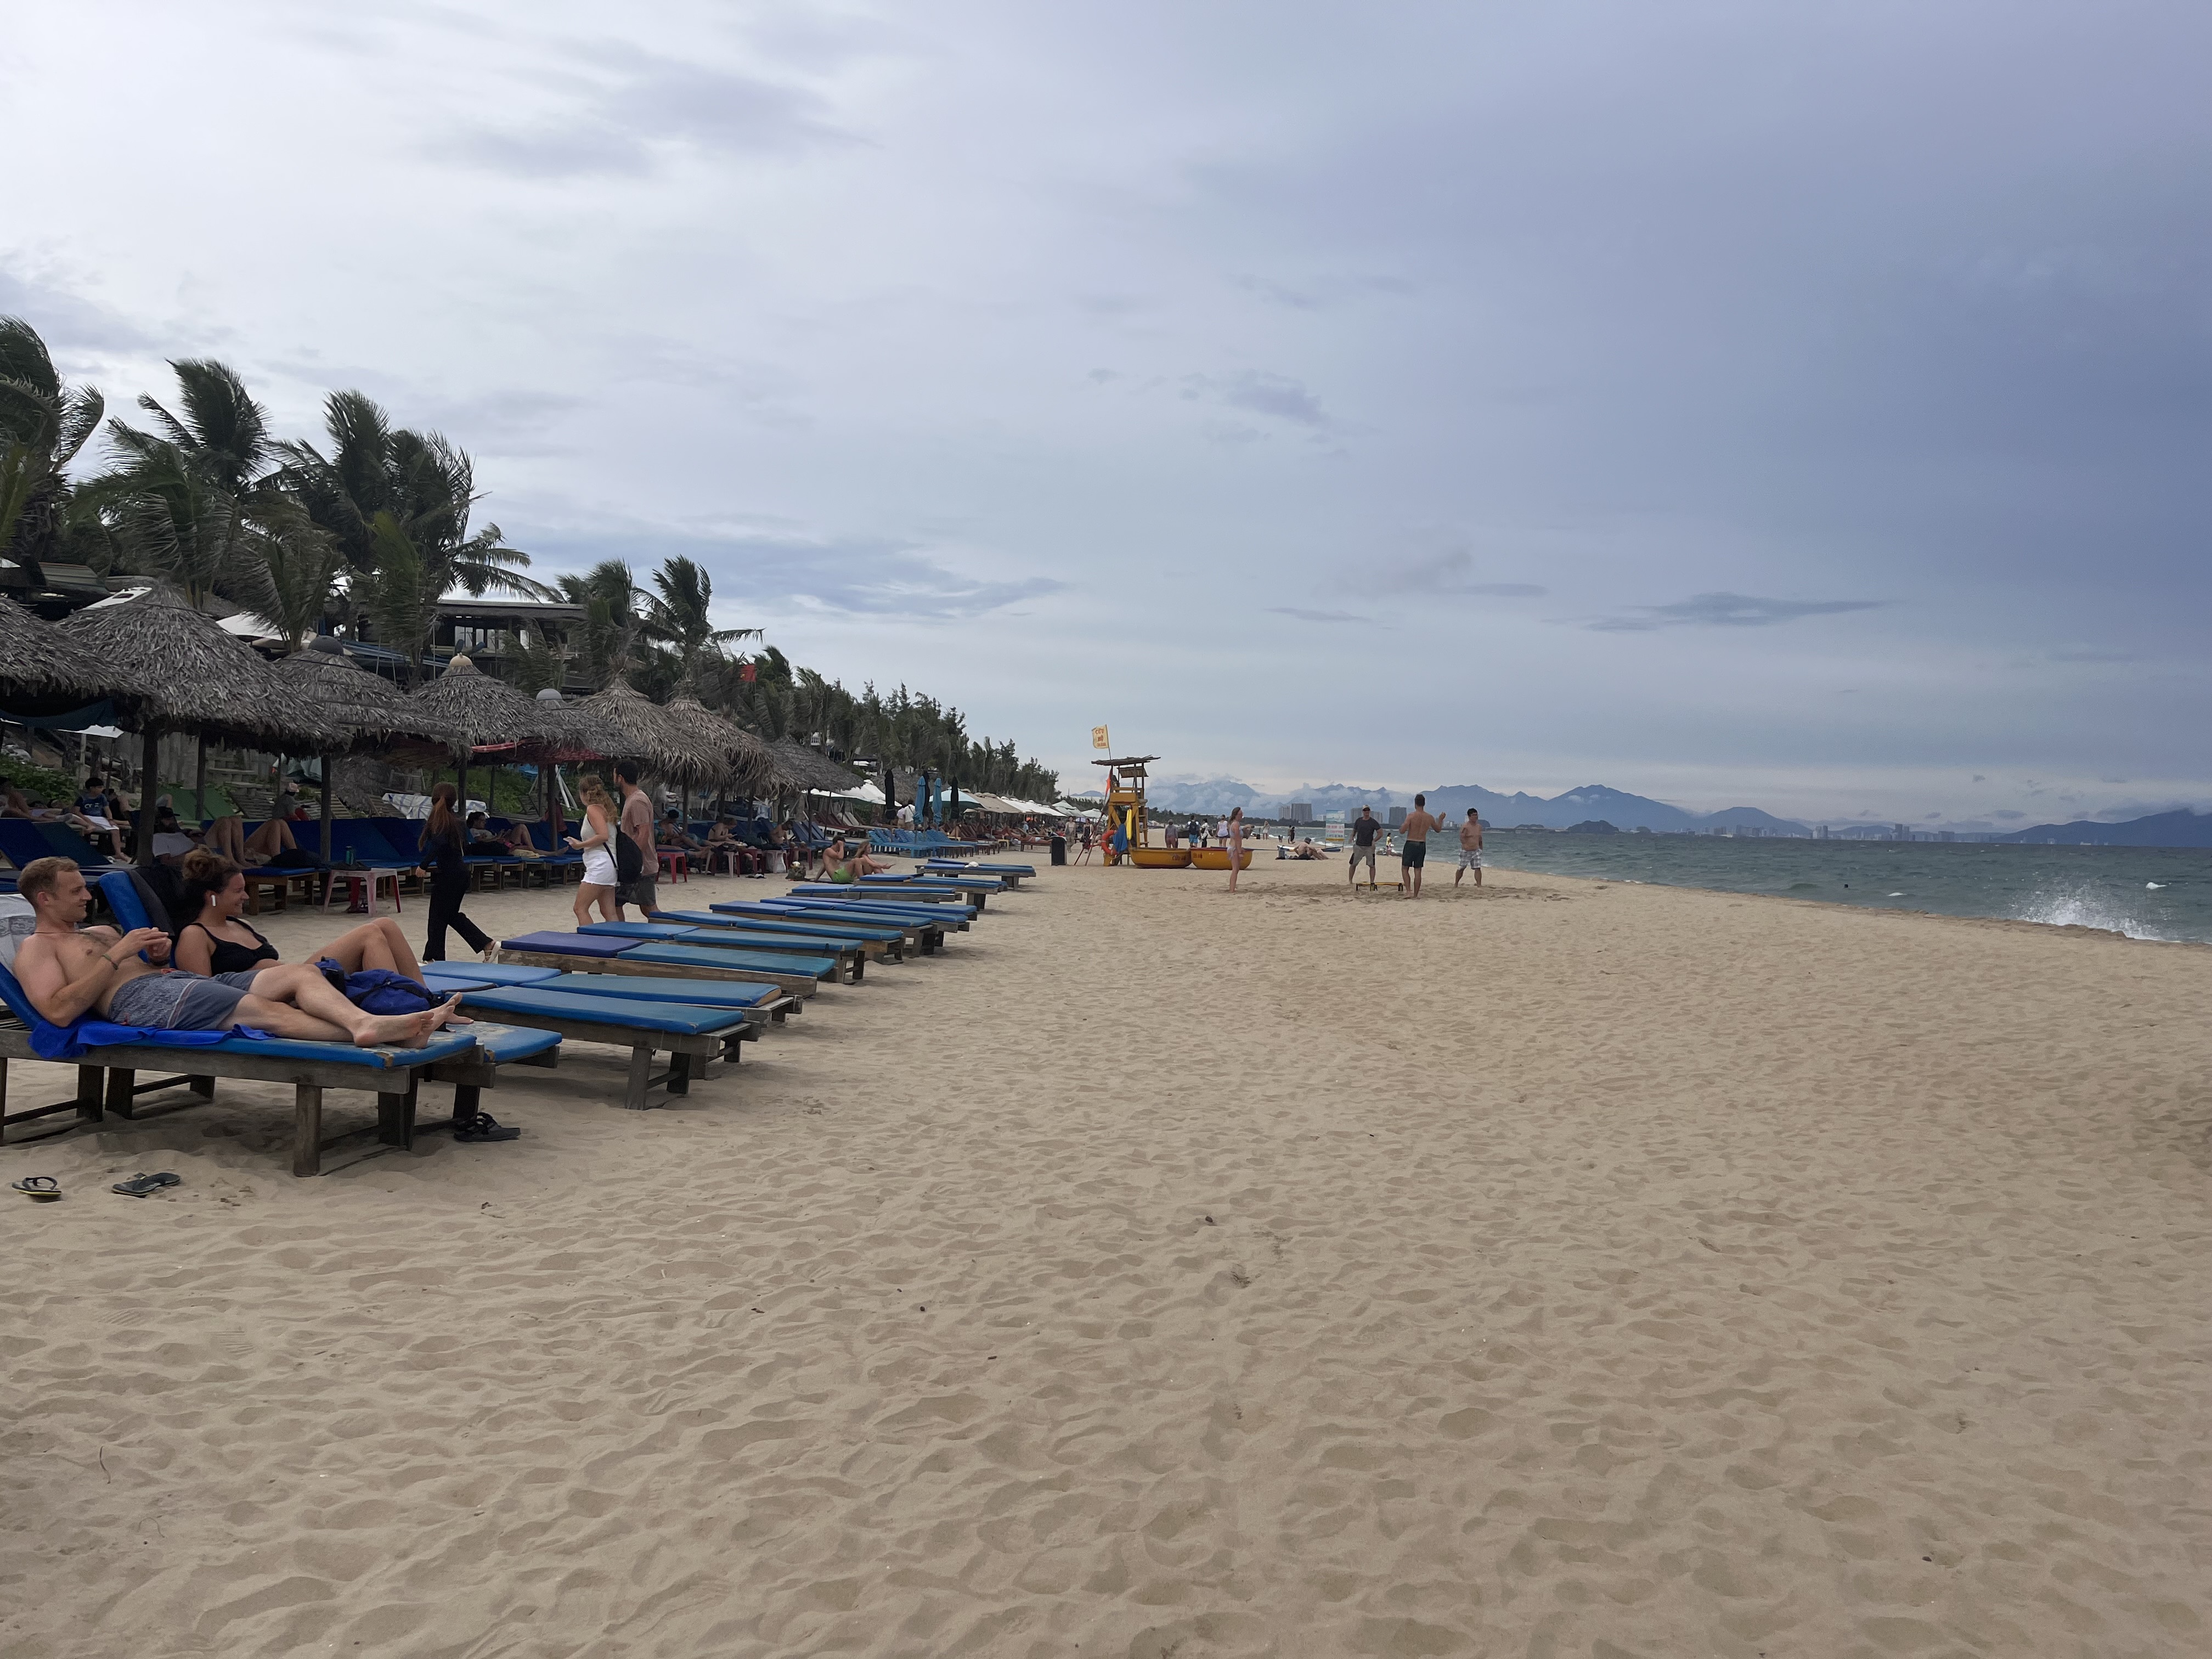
(1470, 849)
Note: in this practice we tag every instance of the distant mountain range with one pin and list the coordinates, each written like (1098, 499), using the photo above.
(1596, 803)
(1593, 802)
(2179, 829)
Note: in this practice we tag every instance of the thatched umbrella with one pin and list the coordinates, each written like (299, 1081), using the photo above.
(740, 757)
(374, 714)
(486, 713)
(41, 664)
(198, 679)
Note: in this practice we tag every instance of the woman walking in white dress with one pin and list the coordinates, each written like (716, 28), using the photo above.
(596, 844)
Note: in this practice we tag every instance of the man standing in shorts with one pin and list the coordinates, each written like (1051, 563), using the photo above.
(1419, 823)
(1470, 849)
(1364, 829)
(637, 825)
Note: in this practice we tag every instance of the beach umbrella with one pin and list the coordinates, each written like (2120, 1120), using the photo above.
(197, 678)
(486, 713)
(40, 665)
(374, 715)
(741, 756)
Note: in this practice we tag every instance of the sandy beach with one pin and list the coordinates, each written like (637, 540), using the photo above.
(1569, 1268)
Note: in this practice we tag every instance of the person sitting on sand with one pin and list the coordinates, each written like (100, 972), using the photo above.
(69, 971)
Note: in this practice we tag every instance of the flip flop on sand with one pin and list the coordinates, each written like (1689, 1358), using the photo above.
(483, 1127)
(143, 1185)
(45, 1189)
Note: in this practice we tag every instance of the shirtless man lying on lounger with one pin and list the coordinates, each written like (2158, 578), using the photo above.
(68, 972)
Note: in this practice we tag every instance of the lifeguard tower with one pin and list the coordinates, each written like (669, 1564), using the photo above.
(1125, 805)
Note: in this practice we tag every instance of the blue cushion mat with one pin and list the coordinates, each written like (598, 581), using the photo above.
(690, 955)
(571, 945)
(633, 1014)
(487, 973)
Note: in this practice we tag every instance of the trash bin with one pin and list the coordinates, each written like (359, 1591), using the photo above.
(1060, 850)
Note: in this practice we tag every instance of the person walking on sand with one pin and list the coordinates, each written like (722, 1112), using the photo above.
(601, 880)
(1470, 847)
(1364, 829)
(1232, 836)
(1419, 823)
(637, 827)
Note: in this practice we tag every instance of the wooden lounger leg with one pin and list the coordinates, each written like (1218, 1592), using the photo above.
(121, 1091)
(679, 1073)
(641, 1078)
(202, 1086)
(88, 1107)
(307, 1129)
(395, 1114)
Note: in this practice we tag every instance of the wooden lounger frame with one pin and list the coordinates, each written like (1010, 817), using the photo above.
(689, 1051)
(795, 985)
(395, 1088)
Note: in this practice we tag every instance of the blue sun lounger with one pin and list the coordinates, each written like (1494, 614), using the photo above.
(107, 1071)
(938, 919)
(691, 1035)
(598, 953)
(838, 963)
(788, 937)
(778, 914)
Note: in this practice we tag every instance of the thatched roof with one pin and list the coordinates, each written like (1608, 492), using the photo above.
(198, 677)
(38, 663)
(622, 723)
(744, 757)
(374, 711)
(796, 766)
(479, 709)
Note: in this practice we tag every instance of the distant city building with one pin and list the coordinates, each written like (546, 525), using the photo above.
(1299, 812)
(1397, 817)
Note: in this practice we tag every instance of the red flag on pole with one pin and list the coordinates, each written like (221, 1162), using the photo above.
(748, 671)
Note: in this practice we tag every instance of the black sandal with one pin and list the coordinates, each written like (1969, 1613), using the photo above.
(144, 1185)
(44, 1188)
(482, 1127)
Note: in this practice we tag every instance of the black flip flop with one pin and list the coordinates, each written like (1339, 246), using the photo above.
(144, 1185)
(45, 1189)
(482, 1127)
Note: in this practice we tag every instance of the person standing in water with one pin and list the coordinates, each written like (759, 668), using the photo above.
(1232, 833)
(1419, 823)
(1470, 847)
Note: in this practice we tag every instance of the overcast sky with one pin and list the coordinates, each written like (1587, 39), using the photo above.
(1808, 406)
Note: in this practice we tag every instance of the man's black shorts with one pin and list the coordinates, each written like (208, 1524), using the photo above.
(1415, 855)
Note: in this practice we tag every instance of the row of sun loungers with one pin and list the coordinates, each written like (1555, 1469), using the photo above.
(693, 985)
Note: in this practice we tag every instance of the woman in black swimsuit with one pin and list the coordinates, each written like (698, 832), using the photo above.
(218, 939)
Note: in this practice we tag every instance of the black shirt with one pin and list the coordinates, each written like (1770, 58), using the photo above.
(1363, 831)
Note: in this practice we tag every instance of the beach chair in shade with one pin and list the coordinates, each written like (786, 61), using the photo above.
(23, 840)
(598, 953)
(470, 1058)
(847, 961)
(691, 1034)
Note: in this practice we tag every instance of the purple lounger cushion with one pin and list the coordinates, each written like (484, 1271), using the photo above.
(571, 945)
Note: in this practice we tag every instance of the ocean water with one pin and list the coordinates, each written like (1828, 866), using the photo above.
(2146, 893)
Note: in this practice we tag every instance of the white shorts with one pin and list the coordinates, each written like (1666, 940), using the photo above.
(1469, 860)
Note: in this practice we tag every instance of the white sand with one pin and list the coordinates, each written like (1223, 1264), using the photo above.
(1575, 1269)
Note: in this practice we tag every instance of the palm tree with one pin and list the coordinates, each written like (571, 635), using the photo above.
(614, 632)
(43, 424)
(397, 504)
(678, 614)
(196, 503)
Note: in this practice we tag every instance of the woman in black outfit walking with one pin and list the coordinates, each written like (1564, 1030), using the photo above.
(444, 849)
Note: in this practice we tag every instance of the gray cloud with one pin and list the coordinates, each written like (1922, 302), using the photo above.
(627, 106)
(1261, 393)
(781, 573)
(1726, 610)
(1304, 615)
(1447, 573)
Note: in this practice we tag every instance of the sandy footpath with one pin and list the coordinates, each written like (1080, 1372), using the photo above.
(1570, 1269)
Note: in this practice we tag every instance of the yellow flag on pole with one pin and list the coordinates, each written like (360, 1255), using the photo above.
(1099, 738)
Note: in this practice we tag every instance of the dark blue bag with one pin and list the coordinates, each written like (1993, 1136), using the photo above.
(379, 990)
